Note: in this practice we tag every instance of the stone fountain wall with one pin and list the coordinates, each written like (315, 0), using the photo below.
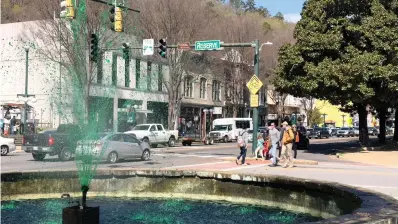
(327, 200)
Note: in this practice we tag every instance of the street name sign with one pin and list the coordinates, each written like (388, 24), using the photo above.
(254, 84)
(184, 46)
(148, 46)
(253, 100)
(208, 45)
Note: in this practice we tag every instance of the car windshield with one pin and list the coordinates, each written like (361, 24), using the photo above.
(141, 127)
(344, 129)
(220, 127)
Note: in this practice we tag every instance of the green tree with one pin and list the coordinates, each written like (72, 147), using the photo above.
(279, 16)
(315, 118)
(250, 6)
(345, 53)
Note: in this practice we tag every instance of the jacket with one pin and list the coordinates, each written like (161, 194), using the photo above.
(288, 136)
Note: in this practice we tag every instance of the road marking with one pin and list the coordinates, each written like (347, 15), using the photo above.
(193, 165)
(245, 167)
(189, 155)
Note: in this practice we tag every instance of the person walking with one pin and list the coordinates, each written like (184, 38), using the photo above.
(243, 140)
(13, 122)
(296, 141)
(281, 132)
(287, 144)
(275, 138)
(260, 147)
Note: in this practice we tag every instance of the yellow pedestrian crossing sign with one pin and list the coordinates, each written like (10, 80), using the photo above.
(253, 100)
(254, 84)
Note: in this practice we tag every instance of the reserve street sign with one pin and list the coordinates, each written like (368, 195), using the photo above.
(254, 84)
(208, 45)
(253, 100)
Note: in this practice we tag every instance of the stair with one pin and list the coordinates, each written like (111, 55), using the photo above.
(18, 139)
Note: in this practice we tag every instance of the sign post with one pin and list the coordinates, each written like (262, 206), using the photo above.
(148, 46)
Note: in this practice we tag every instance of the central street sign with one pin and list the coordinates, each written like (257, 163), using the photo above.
(148, 46)
(207, 45)
(253, 100)
(184, 46)
(254, 84)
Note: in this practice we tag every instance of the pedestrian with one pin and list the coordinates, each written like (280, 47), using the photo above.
(296, 140)
(274, 136)
(13, 122)
(243, 140)
(287, 145)
(282, 131)
(260, 146)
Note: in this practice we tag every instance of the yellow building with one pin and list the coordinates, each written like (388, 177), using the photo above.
(333, 114)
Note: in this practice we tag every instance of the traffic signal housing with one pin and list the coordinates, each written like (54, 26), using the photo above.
(116, 19)
(94, 48)
(67, 9)
(162, 48)
(126, 51)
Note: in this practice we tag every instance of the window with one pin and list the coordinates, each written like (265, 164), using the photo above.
(203, 87)
(149, 75)
(216, 90)
(153, 128)
(130, 139)
(137, 73)
(243, 124)
(160, 128)
(117, 138)
(188, 86)
(114, 69)
(160, 78)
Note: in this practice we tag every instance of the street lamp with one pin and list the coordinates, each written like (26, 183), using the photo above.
(324, 119)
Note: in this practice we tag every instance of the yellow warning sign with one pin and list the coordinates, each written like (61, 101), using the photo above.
(253, 100)
(254, 84)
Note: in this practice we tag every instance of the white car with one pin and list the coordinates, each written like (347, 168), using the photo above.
(154, 134)
(7, 145)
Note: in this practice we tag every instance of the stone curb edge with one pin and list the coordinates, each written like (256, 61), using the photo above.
(296, 161)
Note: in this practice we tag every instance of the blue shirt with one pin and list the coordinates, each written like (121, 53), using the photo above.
(260, 143)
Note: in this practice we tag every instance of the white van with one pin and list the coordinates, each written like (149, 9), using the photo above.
(228, 129)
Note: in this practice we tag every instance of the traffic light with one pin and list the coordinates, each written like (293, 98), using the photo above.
(162, 48)
(126, 51)
(94, 48)
(67, 9)
(116, 18)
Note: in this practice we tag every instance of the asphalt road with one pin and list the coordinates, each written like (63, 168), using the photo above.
(213, 158)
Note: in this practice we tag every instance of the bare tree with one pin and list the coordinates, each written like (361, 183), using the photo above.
(311, 110)
(279, 99)
(179, 21)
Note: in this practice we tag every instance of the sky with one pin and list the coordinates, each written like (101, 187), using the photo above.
(289, 8)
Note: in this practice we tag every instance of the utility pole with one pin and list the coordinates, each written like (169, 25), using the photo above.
(255, 109)
(324, 120)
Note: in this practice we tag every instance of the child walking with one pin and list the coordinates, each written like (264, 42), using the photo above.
(260, 146)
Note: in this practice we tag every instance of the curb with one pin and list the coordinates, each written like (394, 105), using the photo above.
(296, 161)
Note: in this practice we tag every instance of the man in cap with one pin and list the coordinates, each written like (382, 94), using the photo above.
(287, 145)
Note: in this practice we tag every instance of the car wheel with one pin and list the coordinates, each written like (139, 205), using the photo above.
(172, 142)
(4, 150)
(38, 157)
(225, 139)
(146, 140)
(112, 157)
(189, 143)
(184, 143)
(65, 154)
(146, 155)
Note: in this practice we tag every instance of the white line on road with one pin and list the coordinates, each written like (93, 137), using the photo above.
(245, 167)
(193, 165)
(189, 155)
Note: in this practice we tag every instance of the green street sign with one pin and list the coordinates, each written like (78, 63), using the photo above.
(207, 45)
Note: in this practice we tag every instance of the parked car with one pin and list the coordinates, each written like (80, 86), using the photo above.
(345, 132)
(7, 145)
(356, 131)
(334, 131)
(228, 129)
(319, 133)
(113, 147)
(309, 130)
(373, 131)
(61, 142)
(389, 131)
(154, 134)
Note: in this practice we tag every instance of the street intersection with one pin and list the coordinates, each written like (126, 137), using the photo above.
(316, 163)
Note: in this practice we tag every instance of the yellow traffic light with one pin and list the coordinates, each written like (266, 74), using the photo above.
(118, 20)
(67, 9)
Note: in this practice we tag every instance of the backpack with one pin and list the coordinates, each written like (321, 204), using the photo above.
(297, 137)
(241, 142)
(291, 136)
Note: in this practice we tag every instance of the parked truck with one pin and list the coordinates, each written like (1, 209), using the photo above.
(155, 134)
(61, 141)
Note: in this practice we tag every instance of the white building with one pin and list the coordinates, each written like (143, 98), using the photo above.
(47, 81)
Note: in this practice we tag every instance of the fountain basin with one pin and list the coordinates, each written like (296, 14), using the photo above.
(333, 202)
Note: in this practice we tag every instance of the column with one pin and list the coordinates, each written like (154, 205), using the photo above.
(115, 114)
(144, 107)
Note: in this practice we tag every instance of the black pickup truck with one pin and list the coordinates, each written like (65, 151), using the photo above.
(61, 142)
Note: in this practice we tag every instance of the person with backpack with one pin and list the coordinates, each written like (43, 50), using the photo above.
(243, 140)
(287, 145)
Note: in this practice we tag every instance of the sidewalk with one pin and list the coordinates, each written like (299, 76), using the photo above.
(381, 158)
